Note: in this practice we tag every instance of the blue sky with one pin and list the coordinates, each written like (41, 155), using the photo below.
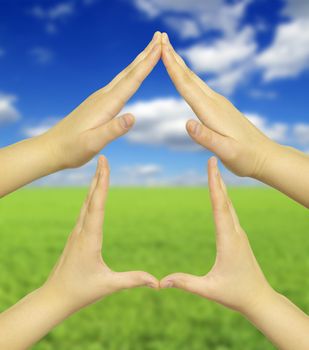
(53, 54)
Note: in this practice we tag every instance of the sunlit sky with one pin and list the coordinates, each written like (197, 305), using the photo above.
(53, 54)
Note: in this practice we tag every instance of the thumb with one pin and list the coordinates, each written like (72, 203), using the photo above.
(133, 279)
(187, 282)
(216, 143)
(99, 137)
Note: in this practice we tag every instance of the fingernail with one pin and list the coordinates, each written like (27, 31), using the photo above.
(195, 128)
(214, 161)
(164, 38)
(156, 35)
(167, 39)
(126, 121)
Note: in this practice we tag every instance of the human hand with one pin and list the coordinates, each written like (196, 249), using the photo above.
(223, 130)
(91, 126)
(81, 276)
(236, 279)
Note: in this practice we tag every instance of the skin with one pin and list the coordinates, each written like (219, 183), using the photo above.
(237, 281)
(224, 130)
(83, 133)
(80, 278)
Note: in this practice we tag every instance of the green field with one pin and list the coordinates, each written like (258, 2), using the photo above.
(160, 231)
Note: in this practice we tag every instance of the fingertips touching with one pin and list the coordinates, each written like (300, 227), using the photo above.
(133, 279)
(222, 208)
(216, 194)
(84, 208)
(230, 204)
(213, 172)
(104, 174)
(187, 282)
(156, 39)
(167, 54)
(98, 198)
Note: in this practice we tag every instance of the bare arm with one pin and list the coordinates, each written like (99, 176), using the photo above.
(81, 277)
(224, 130)
(83, 133)
(237, 281)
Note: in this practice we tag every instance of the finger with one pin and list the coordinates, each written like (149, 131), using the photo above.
(200, 102)
(182, 63)
(232, 209)
(99, 137)
(133, 279)
(213, 141)
(129, 84)
(80, 223)
(93, 221)
(83, 211)
(187, 282)
(156, 39)
(222, 214)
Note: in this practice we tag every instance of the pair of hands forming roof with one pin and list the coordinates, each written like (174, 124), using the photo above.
(81, 276)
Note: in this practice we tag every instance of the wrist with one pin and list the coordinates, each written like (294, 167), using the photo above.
(53, 152)
(57, 299)
(263, 301)
(269, 151)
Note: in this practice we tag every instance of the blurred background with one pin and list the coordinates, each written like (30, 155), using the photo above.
(53, 54)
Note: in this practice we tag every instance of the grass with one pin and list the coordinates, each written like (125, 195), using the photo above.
(160, 231)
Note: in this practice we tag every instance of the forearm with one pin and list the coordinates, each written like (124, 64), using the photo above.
(25, 161)
(287, 170)
(31, 319)
(284, 324)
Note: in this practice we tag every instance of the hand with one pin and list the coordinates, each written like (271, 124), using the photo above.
(223, 129)
(91, 126)
(81, 277)
(236, 279)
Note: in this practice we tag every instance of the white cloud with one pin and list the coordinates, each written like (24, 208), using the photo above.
(39, 128)
(288, 55)
(228, 59)
(185, 27)
(8, 111)
(301, 133)
(276, 131)
(161, 122)
(42, 55)
(209, 15)
(137, 175)
(190, 177)
(71, 177)
(227, 81)
(53, 14)
(141, 175)
(296, 9)
(223, 54)
(142, 170)
(263, 94)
